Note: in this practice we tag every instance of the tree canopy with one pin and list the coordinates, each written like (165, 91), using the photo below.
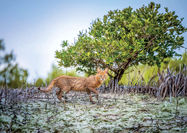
(124, 38)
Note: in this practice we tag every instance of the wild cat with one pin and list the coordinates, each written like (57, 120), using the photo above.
(69, 83)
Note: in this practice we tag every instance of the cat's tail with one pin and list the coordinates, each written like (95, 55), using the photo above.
(49, 88)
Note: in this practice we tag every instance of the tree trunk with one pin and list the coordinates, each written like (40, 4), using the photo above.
(113, 84)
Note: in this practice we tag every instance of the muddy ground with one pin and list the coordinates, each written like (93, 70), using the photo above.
(113, 113)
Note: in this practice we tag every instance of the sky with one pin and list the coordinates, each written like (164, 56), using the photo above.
(35, 29)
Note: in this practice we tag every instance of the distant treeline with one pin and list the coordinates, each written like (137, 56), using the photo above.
(11, 75)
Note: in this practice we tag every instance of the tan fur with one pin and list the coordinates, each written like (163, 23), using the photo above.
(68, 83)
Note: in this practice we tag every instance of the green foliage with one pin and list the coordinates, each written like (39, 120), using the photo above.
(72, 73)
(39, 82)
(17, 77)
(11, 75)
(55, 72)
(125, 38)
(178, 64)
(140, 74)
